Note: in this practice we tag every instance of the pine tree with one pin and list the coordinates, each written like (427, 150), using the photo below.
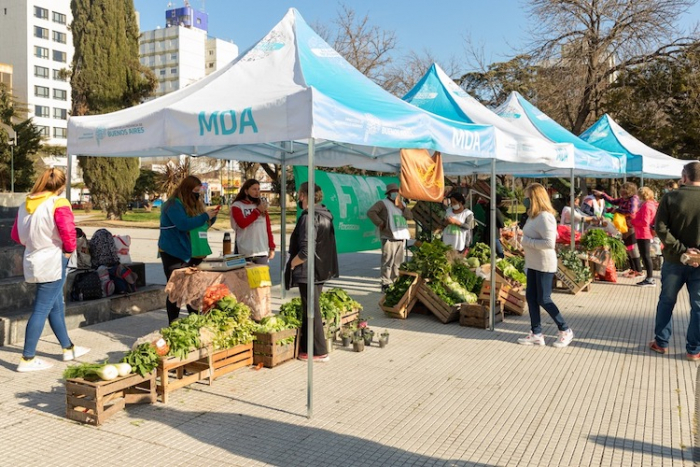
(107, 76)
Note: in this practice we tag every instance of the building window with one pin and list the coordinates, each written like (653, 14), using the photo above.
(41, 91)
(162, 72)
(41, 33)
(59, 18)
(173, 57)
(59, 75)
(59, 56)
(41, 13)
(43, 130)
(211, 65)
(59, 37)
(60, 94)
(41, 52)
(173, 71)
(59, 133)
(211, 52)
(41, 111)
(41, 72)
(61, 114)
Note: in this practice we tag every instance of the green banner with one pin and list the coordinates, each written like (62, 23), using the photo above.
(348, 198)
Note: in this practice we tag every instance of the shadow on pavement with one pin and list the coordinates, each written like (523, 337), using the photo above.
(635, 445)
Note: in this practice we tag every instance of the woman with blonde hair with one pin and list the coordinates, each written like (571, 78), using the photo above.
(182, 217)
(643, 223)
(46, 227)
(539, 237)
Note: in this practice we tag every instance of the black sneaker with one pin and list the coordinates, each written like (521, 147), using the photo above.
(647, 283)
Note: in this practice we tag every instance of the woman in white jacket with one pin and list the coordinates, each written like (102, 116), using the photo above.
(46, 227)
(539, 237)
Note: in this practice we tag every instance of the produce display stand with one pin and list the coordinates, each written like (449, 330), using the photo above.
(167, 382)
(515, 302)
(476, 315)
(567, 278)
(225, 361)
(93, 402)
(502, 291)
(269, 353)
(444, 312)
(402, 309)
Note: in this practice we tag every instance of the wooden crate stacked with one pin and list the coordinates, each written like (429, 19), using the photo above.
(444, 312)
(512, 298)
(198, 365)
(476, 315)
(407, 302)
(267, 351)
(429, 216)
(93, 402)
(567, 280)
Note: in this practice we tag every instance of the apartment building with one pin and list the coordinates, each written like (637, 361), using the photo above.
(37, 43)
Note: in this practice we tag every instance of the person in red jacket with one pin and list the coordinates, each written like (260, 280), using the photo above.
(643, 223)
(251, 222)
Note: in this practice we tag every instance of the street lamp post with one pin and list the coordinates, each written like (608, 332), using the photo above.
(13, 141)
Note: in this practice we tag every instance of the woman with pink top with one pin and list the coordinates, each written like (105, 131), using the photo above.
(643, 223)
(46, 228)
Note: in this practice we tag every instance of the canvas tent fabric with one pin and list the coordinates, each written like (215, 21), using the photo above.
(289, 87)
(642, 160)
(529, 118)
(437, 93)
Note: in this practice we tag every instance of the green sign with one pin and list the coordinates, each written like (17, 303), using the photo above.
(348, 198)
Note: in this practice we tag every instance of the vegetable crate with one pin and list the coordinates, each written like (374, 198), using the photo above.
(444, 312)
(349, 317)
(172, 376)
(93, 402)
(515, 303)
(407, 302)
(477, 315)
(502, 288)
(267, 351)
(568, 280)
(227, 360)
(427, 216)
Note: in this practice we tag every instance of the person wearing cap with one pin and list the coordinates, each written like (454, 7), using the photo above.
(390, 215)
(459, 223)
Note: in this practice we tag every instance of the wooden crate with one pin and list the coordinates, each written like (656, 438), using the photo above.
(515, 303)
(476, 315)
(349, 317)
(429, 216)
(227, 360)
(444, 312)
(93, 402)
(269, 353)
(171, 371)
(405, 305)
(567, 278)
(502, 288)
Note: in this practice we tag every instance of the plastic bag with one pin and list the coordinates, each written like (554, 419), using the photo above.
(620, 222)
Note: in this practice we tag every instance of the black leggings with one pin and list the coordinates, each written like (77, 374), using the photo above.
(170, 264)
(645, 251)
(320, 346)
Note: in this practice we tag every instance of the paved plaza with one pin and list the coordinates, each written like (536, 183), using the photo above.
(437, 395)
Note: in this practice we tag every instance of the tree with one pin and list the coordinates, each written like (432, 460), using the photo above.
(145, 184)
(27, 144)
(106, 76)
(586, 44)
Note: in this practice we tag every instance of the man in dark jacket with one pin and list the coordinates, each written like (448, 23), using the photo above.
(325, 267)
(678, 228)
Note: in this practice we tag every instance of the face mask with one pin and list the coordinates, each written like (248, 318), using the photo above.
(393, 195)
(299, 205)
(455, 207)
(254, 200)
(196, 196)
(526, 203)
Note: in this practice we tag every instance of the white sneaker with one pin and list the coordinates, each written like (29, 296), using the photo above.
(33, 364)
(532, 339)
(74, 352)
(565, 338)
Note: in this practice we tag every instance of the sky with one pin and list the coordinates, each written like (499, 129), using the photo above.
(437, 26)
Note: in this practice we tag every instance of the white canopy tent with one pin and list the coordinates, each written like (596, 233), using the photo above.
(290, 99)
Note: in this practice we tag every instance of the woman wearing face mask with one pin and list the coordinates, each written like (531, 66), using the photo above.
(182, 216)
(460, 222)
(539, 237)
(251, 222)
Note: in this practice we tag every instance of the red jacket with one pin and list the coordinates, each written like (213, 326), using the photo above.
(643, 220)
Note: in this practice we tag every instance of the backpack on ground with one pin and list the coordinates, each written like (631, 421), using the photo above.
(86, 286)
(82, 250)
(103, 251)
(124, 279)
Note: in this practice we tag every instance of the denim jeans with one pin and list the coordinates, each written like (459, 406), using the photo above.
(48, 302)
(673, 277)
(539, 294)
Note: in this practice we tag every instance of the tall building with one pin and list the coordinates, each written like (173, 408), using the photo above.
(182, 53)
(38, 44)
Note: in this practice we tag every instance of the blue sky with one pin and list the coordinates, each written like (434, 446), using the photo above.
(439, 26)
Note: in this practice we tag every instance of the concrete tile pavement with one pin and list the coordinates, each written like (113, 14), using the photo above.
(437, 395)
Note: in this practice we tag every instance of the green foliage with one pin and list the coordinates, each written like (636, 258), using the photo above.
(334, 303)
(511, 272)
(145, 184)
(430, 260)
(597, 238)
(442, 292)
(462, 273)
(143, 359)
(397, 290)
(480, 251)
(572, 262)
(107, 76)
(292, 312)
(183, 335)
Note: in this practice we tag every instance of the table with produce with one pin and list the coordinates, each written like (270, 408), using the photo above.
(187, 286)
